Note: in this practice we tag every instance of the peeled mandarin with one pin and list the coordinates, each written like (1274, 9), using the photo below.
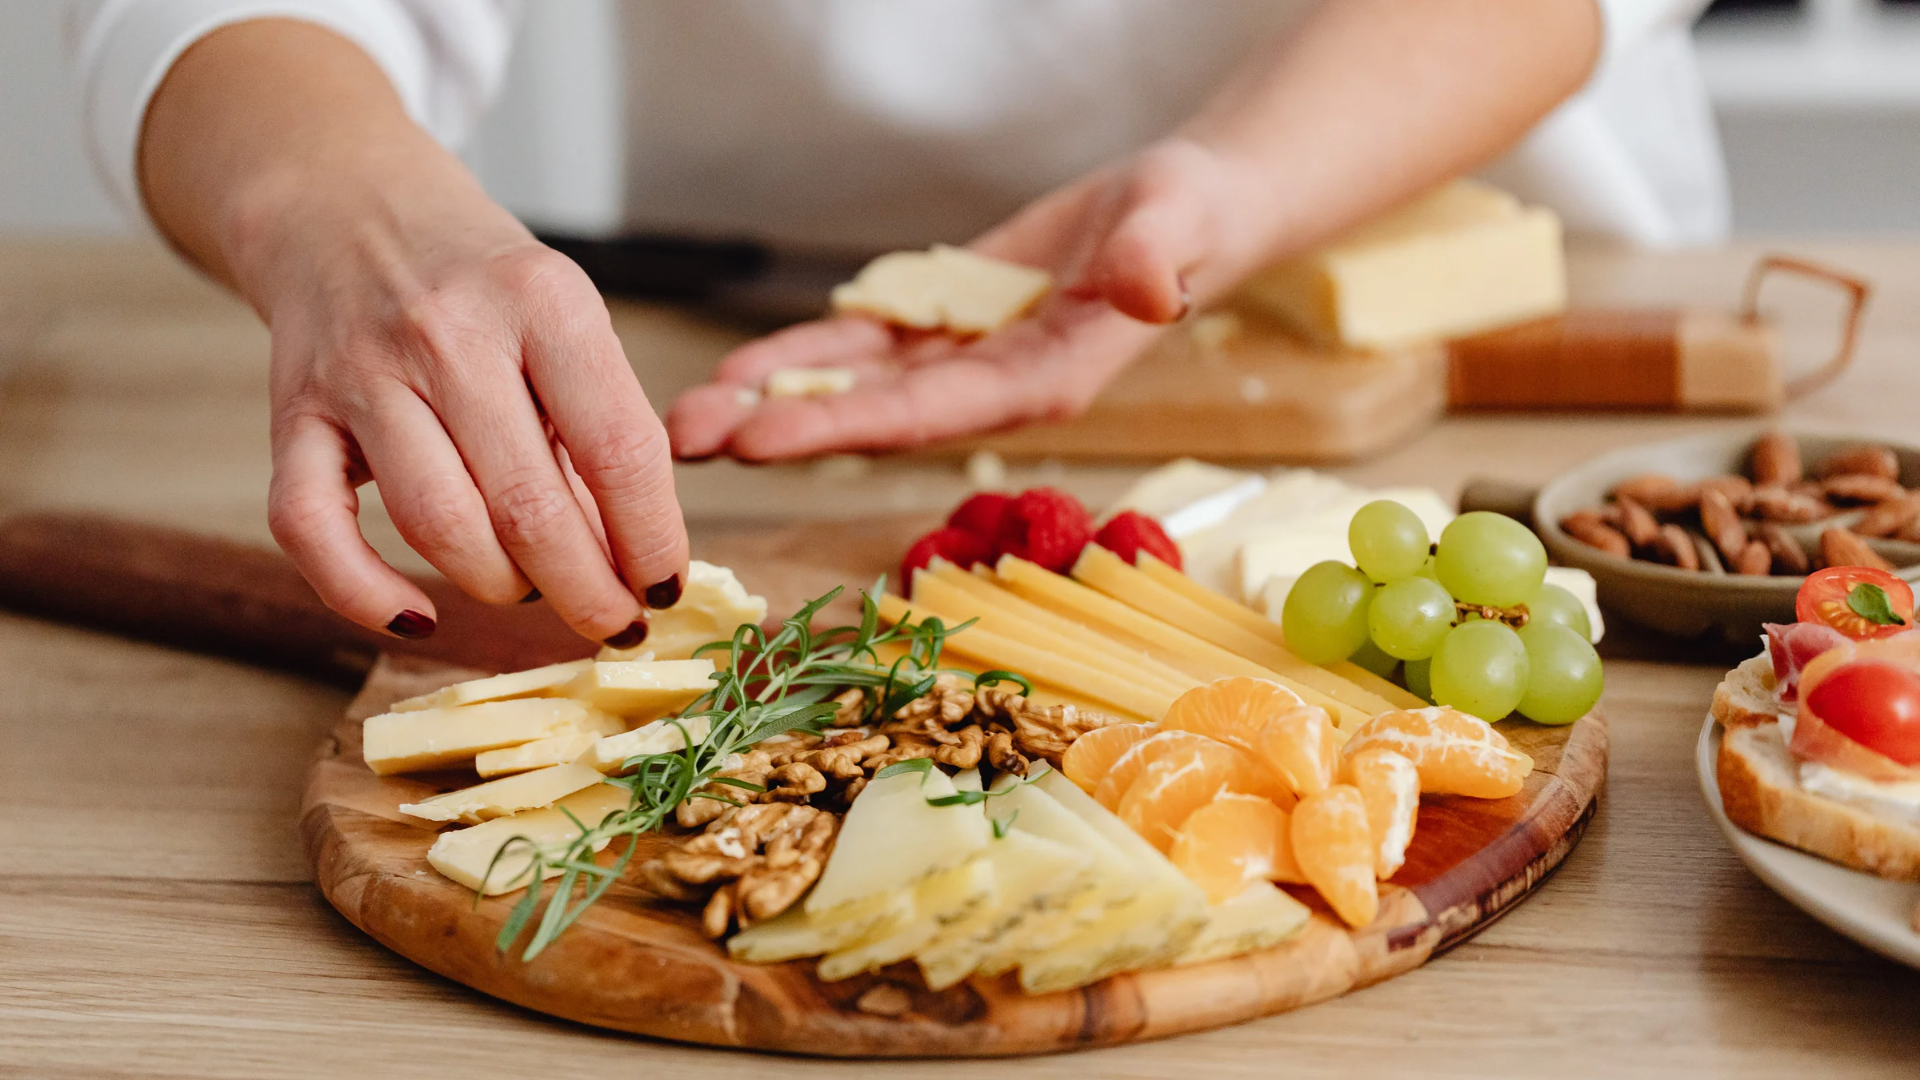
(1303, 747)
(1134, 760)
(1456, 754)
(1091, 756)
(1234, 841)
(1333, 844)
(1234, 710)
(1390, 786)
(1173, 786)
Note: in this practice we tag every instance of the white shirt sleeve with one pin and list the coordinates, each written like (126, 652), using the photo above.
(446, 59)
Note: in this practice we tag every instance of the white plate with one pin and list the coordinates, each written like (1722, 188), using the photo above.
(1871, 910)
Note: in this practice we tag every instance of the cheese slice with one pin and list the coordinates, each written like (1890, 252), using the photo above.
(1258, 917)
(538, 754)
(1033, 878)
(1288, 549)
(893, 838)
(944, 580)
(1462, 259)
(1208, 556)
(642, 690)
(610, 754)
(1200, 658)
(944, 288)
(501, 798)
(810, 382)
(465, 854)
(943, 899)
(712, 606)
(1187, 496)
(534, 682)
(794, 934)
(1112, 575)
(442, 738)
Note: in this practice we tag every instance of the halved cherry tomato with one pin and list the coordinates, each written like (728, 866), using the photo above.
(1874, 703)
(1858, 601)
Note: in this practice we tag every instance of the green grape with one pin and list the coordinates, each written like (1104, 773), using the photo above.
(1481, 668)
(1389, 541)
(1325, 616)
(1565, 679)
(1369, 656)
(1409, 617)
(1488, 558)
(1418, 677)
(1426, 568)
(1555, 605)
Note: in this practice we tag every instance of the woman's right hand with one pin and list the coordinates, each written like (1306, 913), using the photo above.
(422, 338)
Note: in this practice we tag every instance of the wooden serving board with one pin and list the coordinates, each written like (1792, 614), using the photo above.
(636, 964)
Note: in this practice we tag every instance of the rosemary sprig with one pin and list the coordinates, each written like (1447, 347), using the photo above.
(765, 686)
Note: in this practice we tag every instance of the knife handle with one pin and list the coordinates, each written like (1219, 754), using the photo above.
(208, 594)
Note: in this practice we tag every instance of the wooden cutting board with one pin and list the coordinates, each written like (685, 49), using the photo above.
(636, 964)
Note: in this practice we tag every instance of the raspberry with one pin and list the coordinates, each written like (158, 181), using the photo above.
(954, 545)
(1129, 533)
(1046, 526)
(981, 514)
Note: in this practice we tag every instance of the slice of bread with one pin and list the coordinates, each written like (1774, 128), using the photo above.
(1745, 697)
(1760, 789)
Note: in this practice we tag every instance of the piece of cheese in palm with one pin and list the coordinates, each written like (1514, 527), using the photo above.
(713, 604)
(1248, 619)
(642, 690)
(1461, 259)
(443, 738)
(1128, 698)
(794, 934)
(538, 754)
(893, 838)
(944, 288)
(1109, 573)
(943, 581)
(1202, 659)
(1258, 917)
(611, 754)
(534, 682)
(941, 900)
(465, 854)
(810, 382)
(506, 796)
(1033, 878)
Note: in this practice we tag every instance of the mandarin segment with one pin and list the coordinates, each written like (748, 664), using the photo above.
(1456, 754)
(1173, 786)
(1234, 841)
(1389, 784)
(1303, 747)
(1091, 756)
(1234, 710)
(1333, 844)
(1135, 759)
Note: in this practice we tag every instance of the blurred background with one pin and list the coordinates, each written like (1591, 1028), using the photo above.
(1818, 103)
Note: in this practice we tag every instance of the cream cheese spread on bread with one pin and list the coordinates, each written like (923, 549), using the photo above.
(1896, 800)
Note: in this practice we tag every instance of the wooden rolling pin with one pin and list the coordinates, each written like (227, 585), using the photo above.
(1652, 359)
(213, 595)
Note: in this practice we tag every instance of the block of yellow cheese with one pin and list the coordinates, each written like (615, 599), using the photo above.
(509, 795)
(535, 682)
(945, 288)
(441, 738)
(538, 754)
(1460, 260)
(642, 690)
(610, 755)
(465, 854)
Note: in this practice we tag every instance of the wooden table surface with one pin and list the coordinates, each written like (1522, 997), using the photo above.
(156, 913)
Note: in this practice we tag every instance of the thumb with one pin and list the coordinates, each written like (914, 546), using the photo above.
(1161, 232)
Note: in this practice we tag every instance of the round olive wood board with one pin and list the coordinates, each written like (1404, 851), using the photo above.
(638, 964)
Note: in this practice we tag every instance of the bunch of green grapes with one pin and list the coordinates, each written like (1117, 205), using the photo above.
(1405, 605)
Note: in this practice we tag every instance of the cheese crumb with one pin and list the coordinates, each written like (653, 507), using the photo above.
(810, 382)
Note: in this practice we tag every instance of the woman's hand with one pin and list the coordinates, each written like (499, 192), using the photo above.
(421, 338)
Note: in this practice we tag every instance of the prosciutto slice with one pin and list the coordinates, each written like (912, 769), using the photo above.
(1792, 647)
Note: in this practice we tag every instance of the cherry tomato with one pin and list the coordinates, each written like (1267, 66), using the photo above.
(1838, 596)
(1875, 704)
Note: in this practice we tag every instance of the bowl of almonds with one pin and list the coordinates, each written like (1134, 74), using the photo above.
(1714, 534)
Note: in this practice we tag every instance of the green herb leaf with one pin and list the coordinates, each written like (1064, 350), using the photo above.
(988, 678)
(1871, 603)
(958, 798)
(921, 765)
(1003, 826)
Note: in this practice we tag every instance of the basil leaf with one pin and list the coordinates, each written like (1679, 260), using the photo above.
(1871, 603)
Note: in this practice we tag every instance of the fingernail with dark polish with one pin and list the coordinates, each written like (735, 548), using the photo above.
(628, 638)
(410, 624)
(530, 597)
(662, 595)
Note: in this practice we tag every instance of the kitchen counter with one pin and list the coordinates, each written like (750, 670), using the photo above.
(157, 916)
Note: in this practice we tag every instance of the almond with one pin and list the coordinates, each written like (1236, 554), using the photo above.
(1586, 527)
(1862, 461)
(1788, 556)
(1722, 525)
(1853, 489)
(1674, 546)
(1737, 489)
(1774, 503)
(1889, 517)
(1637, 522)
(1838, 547)
(1775, 460)
(1754, 561)
(1657, 491)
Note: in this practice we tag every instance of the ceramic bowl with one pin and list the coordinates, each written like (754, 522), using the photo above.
(1693, 603)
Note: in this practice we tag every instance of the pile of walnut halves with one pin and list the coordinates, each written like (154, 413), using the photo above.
(761, 850)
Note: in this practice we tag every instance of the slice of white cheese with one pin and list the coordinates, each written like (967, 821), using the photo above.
(1208, 555)
(534, 682)
(712, 606)
(810, 382)
(794, 934)
(1033, 879)
(939, 901)
(538, 754)
(1259, 917)
(945, 288)
(441, 738)
(504, 797)
(1186, 496)
(1581, 585)
(465, 854)
(1286, 550)
(642, 690)
(893, 838)
(610, 755)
